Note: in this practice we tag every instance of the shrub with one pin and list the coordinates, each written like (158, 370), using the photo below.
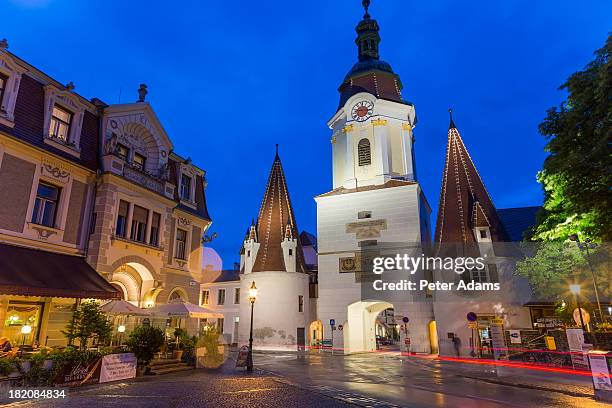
(7, 366)
(144, 342)
(210, 341)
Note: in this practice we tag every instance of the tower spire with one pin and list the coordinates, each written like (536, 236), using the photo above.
(367, 36)
(275, 220)
(366, 5)
(465, 203)
(452, 123)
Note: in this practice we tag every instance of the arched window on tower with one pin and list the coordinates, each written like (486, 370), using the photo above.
(363, 152)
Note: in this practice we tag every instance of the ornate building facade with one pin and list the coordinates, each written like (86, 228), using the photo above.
(89, 191)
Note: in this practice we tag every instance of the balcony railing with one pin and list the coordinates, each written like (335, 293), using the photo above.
(144, 179)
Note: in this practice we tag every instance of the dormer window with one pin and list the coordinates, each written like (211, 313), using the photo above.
(139, 161)
(123, 151)
(61, 121)
(185, 187)
(483, 234)
(10, 78)
(64, 116)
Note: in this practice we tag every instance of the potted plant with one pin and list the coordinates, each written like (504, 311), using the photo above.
(180, 336)
(144, 342)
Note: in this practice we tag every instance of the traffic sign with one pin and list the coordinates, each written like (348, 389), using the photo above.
(472, 325)
(405, 319)
(332, 322)
(340, 327)
(472, 317)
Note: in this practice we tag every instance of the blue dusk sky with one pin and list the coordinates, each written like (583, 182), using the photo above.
(229, 79)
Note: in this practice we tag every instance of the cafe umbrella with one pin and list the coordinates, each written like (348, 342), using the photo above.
(122, 307)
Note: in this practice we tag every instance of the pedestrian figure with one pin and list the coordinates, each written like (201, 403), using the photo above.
(457, 345)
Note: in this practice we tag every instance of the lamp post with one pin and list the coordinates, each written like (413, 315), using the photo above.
(585, 246)
(25, 330)
(121, 330)
(252, 298)
(575, 289)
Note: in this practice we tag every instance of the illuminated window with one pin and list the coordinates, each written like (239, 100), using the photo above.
(45, 206)
(122, 151)
(139, 161)
(205, 297)
(363, 152)
(61, 120)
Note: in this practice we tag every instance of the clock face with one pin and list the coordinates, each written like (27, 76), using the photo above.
(362, 111)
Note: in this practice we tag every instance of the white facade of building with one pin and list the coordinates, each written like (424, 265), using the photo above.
(376, 204)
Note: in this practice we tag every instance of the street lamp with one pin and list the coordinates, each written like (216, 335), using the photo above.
(121, 330)
(25, 330)
(575, 289)
(585, 246)
(252, 298)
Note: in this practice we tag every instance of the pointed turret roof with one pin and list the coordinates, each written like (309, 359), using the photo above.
(464, 201)
(275, 218)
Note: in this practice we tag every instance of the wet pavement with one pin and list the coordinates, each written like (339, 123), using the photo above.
(417, 382)
(188, 389)
(319, 380)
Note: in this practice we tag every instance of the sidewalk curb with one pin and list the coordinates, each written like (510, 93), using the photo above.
(529, 386)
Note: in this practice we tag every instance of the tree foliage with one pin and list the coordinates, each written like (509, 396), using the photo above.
(556, 265)
(88, 322)
(576, 176)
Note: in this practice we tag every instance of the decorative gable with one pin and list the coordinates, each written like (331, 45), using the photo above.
(11, 73)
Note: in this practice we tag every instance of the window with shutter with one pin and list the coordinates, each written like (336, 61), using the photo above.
(363, 152)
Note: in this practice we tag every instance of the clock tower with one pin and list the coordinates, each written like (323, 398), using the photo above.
(372, 140)
(376, 205)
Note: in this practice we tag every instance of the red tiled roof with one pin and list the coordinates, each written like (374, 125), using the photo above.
(464, 200)
(275, 214)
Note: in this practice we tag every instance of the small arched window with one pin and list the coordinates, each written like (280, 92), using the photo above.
(363, 152)
(175, 296)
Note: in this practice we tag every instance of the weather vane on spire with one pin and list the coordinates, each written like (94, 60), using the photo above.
(366, 5)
